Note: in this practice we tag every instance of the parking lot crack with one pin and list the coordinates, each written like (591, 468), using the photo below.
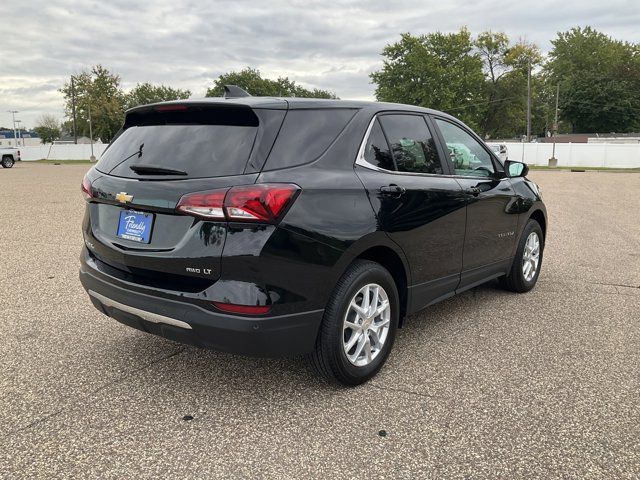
(81, 400)
(617, 285)
(403, 390)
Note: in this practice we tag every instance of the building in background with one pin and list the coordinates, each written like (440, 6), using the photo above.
(81, 140)
(26, 138)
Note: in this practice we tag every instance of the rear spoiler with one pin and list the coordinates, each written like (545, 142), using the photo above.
(192, 113)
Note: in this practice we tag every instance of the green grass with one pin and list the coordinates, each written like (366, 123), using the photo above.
(588, 169)
(63, 162)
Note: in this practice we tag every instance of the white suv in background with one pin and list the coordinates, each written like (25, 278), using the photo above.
(500, 150)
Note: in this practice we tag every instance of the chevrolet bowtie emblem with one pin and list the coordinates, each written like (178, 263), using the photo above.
(123, 197)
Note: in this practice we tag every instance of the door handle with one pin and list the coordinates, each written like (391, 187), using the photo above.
(475, 191)
(392, 189)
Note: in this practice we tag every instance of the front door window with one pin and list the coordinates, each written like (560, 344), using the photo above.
(466, 154)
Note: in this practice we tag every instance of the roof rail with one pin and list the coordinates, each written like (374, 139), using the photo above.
(233, 91)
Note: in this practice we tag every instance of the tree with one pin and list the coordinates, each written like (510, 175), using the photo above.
(250, 80)
(48, 128)
(436, 70)
(505, 68)
(98, 90)
(144, 93)
(599, 80)
(483, 81)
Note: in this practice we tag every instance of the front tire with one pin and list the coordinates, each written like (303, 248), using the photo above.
(7, 161)
(528, 260)
(359, 325)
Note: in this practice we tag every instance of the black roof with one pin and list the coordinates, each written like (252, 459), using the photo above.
(297, 103)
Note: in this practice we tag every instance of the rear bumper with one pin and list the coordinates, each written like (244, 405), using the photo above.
(185, 322)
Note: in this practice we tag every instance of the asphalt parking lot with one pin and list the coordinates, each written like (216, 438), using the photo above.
(485, 385)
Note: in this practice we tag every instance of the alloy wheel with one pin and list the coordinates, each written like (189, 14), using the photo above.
(531, 256)
(366, 324)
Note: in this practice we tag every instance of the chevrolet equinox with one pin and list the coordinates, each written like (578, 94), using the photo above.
(283, 226)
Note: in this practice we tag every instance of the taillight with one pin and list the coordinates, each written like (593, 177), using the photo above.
(263, 202)
(204, 204)
(258, 203)
(86, 188)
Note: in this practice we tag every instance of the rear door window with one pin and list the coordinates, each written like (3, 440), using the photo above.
(199, 144)
(412, 146)
(377, 150)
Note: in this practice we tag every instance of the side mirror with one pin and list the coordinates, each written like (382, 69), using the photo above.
(515, 169)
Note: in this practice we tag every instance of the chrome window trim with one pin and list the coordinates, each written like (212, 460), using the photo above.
(362, 162)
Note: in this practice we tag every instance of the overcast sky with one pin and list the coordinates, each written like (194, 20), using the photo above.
(185, 43)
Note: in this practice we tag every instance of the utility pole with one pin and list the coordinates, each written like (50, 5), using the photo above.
(15, 133)
(529, 101)
(555, 129)
(20, 137)
(73, 109)
(555, 122)
(92, 158)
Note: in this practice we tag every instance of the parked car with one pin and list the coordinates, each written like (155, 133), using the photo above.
(270, 226)
(9, 156)
(500, 149)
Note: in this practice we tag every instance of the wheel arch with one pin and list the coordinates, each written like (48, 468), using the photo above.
(380, 249)
(390, 260)
(539, 216)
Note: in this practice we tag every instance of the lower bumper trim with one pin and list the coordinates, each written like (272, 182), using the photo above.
(148, 316)
(274, 336)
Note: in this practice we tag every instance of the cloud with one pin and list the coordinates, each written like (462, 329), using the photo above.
(187, 43)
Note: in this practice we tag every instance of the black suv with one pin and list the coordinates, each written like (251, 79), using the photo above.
(271, 226)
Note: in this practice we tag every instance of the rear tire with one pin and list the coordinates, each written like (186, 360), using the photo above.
(528, 260)
(356, 318)
(7, 161)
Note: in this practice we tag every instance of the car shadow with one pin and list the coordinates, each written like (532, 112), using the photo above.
(216, 369)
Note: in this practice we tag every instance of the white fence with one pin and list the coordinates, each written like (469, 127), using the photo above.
(67, 151)
(610, 155)
(568, 154)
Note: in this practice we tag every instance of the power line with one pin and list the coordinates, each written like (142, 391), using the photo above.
(566, 101)
(486, 102)
(595, 104)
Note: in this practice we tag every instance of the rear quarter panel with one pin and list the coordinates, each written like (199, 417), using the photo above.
(328, 225)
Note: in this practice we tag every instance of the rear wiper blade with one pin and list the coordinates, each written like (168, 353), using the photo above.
(151, 170)
(137, 152)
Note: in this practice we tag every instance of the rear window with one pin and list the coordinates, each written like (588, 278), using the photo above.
(306, 134)
(199, 143)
